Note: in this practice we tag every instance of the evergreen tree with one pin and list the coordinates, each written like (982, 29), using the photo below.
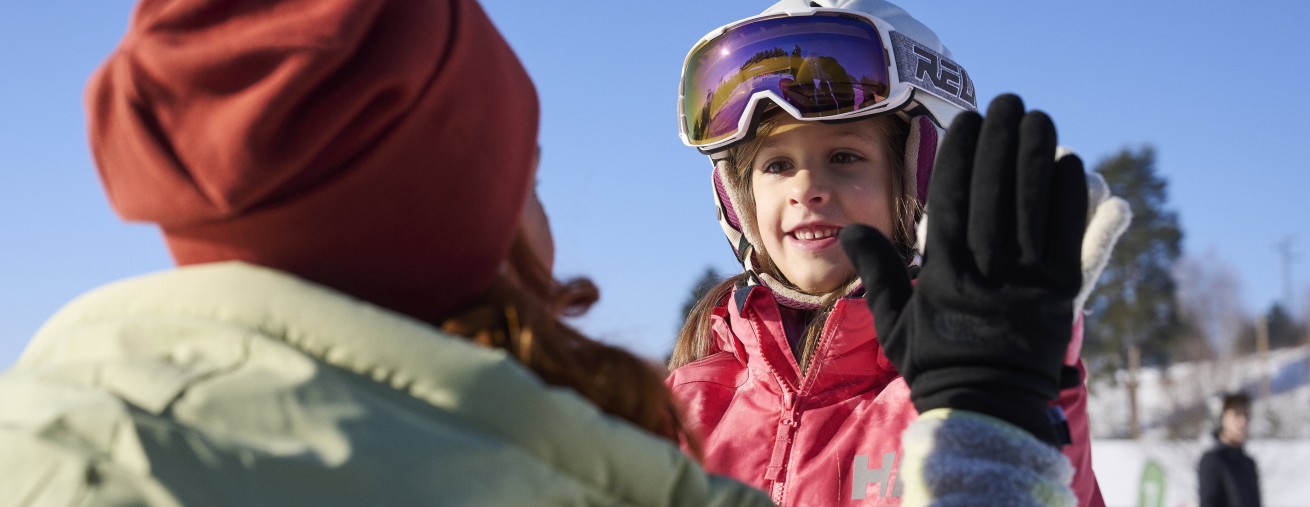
(1134, 310)
(707, 281)
(1284, 331)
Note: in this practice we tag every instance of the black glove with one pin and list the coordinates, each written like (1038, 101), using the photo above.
(987, 325)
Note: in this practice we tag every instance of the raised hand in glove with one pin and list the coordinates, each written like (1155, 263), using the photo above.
(1108, 217)
(987, 326)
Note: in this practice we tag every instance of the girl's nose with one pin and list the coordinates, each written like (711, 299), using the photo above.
(808, 189)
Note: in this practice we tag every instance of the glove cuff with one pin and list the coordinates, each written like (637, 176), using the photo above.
(1029, 413)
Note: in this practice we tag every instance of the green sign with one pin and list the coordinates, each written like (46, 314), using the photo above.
(1151, 492)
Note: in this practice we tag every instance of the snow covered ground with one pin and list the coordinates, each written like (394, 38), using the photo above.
(1179, 402)
(1284, 470)
(1177, 408)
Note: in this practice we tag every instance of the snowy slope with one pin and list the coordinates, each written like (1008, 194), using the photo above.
(1284, 481)
(1183, 392)
(1179, 403)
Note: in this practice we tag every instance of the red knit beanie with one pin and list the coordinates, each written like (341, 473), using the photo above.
(380, 147)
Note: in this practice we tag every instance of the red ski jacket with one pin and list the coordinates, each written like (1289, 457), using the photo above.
(831, 437)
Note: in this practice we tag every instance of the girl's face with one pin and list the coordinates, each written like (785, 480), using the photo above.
(809, 180)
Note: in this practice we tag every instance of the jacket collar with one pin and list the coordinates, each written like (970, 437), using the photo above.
(848, 358)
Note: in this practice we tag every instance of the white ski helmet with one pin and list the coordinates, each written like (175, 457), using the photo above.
(868, 57)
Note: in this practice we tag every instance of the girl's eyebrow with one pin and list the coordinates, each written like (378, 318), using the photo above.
(845, 132)
(852, 132)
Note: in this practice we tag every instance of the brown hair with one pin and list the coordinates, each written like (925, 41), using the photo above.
(521, 314)
(695, 340)
(1238, 401)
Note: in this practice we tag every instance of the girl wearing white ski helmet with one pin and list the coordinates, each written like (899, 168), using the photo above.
(815, 115)
(847, 60)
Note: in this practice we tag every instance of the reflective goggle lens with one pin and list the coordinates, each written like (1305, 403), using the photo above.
(822, 65)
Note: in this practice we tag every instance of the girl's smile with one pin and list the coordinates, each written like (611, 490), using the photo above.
(813, 237)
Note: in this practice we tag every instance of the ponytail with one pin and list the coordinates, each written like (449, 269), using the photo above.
(696, 340)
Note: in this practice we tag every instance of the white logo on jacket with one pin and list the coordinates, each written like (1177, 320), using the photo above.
(863, 476)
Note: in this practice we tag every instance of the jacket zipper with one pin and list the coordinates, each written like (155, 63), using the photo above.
(787, 423)
(790, 418)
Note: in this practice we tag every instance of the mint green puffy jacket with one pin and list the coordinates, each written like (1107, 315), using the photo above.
(230, 384)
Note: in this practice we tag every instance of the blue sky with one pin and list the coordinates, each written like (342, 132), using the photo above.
(1217, 88)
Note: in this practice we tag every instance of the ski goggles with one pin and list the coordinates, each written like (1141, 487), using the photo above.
(824, 64)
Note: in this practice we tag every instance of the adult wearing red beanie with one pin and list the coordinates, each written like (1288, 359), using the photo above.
(383, 149)
(360, 315)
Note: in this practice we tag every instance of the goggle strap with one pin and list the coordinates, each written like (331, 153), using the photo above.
(932, 72)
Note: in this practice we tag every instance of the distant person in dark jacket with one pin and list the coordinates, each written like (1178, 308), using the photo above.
(1227, 475)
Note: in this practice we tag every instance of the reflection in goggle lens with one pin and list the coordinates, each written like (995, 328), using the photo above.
(821, 65)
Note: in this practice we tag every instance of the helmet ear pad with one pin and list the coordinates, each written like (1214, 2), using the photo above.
(920, 153)
(728, 201)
